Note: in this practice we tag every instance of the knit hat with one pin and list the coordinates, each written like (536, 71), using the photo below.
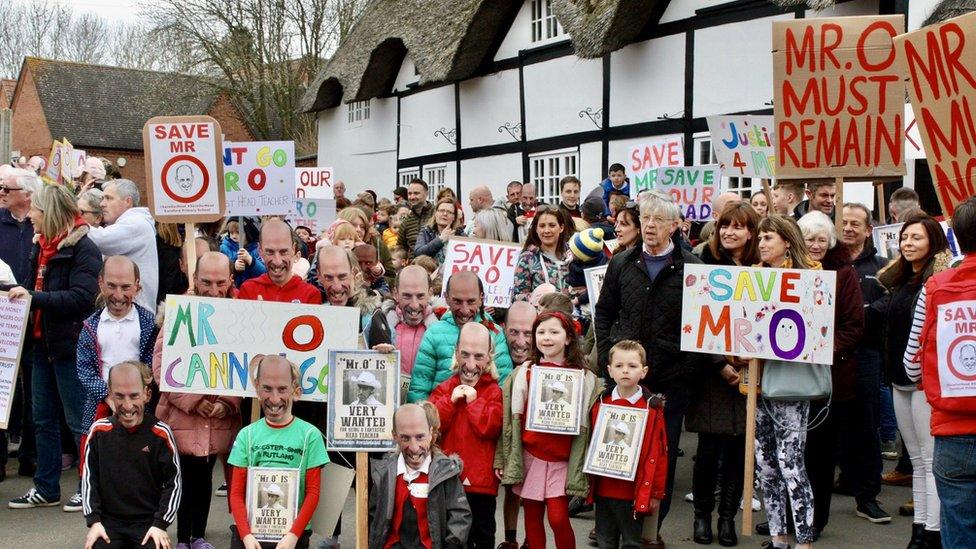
(593, 208)
(587, 245)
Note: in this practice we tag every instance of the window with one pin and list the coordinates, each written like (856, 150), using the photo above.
(406, 175)
(434, 176)
(357, 111)
(546, 169)
(544, 23)
(704, 156)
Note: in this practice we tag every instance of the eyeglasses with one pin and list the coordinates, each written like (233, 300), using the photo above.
(92, 212)
(10, 189)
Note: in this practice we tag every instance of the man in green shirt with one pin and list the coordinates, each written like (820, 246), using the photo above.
(278, 440)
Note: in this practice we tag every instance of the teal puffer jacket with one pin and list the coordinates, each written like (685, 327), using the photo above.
(436, 355)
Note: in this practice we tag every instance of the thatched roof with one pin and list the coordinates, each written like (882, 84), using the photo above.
(105, 107)
(449, 39)
(947, 9)
(7, 89)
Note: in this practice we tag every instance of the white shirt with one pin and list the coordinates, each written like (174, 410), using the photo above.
(409, 474)
(118, 339)
(133, 235)
(615, 395)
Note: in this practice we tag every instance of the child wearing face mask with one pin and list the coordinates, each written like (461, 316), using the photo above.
(470, 407)
(546, 469)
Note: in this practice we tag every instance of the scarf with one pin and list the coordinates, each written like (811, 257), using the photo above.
(48, 249)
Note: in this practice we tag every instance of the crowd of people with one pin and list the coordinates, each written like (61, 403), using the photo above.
(95, 266)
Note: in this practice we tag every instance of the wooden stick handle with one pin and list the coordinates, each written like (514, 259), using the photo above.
(362, 500)
(190, 252)
(750, 468)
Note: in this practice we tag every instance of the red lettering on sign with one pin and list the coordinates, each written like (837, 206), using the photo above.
(288, 333)
(787, 286)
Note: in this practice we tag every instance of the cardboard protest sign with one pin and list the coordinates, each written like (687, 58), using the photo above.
(647, 157)
(956, 344)
(272, 501)
(13, 325)
(913, 137)
(365, 393)
(59, 163)
(837, 97)
(314, 213)
(744, 145)
(336, 480)
(692, 187)
(886, 240)
(184, 168)
(594, 284)
(757, 312)
(616, 442)
(259, 177)
(209, 343)
(314, 183)
(938, 60)
(494, 262)
(555, 400)
(78, 159)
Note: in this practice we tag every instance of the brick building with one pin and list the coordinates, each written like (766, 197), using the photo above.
(6, 92)
(102, 109)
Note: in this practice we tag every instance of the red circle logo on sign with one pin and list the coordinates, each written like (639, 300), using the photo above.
(953, 367)
(165, 177)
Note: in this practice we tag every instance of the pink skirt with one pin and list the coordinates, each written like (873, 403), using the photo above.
(543, 479)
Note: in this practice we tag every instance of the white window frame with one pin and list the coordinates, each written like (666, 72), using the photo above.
(435, 175)
(544, 24)
(357, 112)
(743, 186)
(406, 175)
(546, 169)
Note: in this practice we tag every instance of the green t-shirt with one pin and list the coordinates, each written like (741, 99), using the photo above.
(297, 446)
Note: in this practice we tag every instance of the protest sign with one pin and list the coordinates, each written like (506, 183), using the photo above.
(314, 213)
(365, 393)
(494, 262)
(594, 284)
(744, 145)
(938, 60)
(756, 312)
(837, 97)
(886, 240)
(314, 183)
(913, 137)
(555, 400)
(209, 343)
(647, 157)
(184, 168)
(336, 480)
(272, 501)
(13, 324)
(692, 187)
(78, 159)
(616, 441)
(259, 177)
(59, 163)
(956, 345)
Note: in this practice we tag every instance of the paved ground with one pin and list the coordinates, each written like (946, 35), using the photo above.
(52, 528)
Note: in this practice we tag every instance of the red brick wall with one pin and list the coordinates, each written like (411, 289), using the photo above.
(231, 124)
(31, 134)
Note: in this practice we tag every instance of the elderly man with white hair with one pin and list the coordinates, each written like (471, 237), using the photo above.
(130, 231)
(641, 300)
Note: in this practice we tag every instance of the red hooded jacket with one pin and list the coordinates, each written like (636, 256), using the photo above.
(295, 290)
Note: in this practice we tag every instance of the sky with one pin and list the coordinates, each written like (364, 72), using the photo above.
(114, 11)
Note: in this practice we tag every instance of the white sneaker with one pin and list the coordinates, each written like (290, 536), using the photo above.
(73, 505)
(30, 500)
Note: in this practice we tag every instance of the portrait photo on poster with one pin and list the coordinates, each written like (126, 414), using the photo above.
(555, 400)
(616, 442)
(364, 391)
(272, 501)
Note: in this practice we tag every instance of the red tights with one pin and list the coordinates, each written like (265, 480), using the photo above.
(535, 529)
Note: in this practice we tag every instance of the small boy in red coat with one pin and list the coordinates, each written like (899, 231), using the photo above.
(622, 505)
(470, 407)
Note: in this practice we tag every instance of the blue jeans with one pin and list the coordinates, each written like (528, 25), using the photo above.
(888, 427)
(954, 466)
(55, 385)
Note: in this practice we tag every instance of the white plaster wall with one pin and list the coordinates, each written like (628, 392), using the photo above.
(918, 11)
(406, 75)
(494, 171)
(519, 35)
(421, 115)
(683, 9)
(590, 166)
(647, 80)
(486, 104)
(734, 67)
(364, 157)
(555, 93)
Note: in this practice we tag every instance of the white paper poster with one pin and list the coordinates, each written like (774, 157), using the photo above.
(272, 501)
(13, 324)
(956, 345)
(365, 393)
(616, 441)
(555, 400)
(494, 263)
(259, 178)
(184, 168)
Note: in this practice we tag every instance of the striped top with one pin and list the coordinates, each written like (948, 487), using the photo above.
(914, 369)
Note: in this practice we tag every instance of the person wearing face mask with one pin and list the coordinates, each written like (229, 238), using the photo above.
(402, 322)
(121, 331)
(131, 484)
(823, 441)
(279, 439)
(924, 252)
(469, 404)
(204, 425)
(416, 497)
(279, 253)
(342, 283)
(435, 356)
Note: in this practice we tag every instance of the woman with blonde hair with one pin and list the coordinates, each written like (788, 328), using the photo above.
(62, 284)
(444, 224)
(492, 224)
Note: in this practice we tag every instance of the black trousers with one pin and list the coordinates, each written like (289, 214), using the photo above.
(482, 534)
(236, 543)
(197, 474)
(124, 535)
(616, 525)
(675, 405)
(718, 459)
(821, 460)
(860, 442)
